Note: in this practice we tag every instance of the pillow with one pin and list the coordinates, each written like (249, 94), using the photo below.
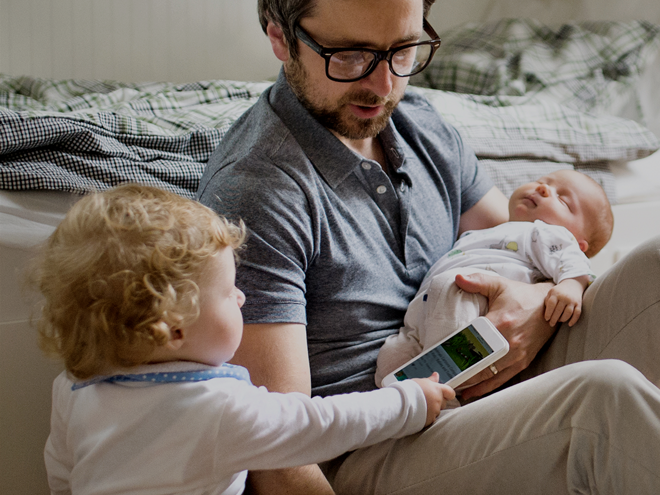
(510, 173)
(543, 130)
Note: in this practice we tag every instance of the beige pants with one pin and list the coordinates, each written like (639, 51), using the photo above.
(589, 427)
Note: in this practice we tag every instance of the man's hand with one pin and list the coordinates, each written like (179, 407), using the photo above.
(517, 310)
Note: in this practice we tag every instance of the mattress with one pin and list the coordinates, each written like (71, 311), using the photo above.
(27, 218)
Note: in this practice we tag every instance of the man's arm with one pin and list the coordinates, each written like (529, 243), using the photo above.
(491, 210)
(276, 356)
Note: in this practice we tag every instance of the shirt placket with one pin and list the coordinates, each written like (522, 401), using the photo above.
(386, 197)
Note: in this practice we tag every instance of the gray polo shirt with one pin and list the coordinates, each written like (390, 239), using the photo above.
(334, 242)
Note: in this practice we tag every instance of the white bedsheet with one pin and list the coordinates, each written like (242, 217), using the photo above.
(27, 218)
(637, 181)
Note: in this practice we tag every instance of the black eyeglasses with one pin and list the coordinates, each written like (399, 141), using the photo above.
(352, 64)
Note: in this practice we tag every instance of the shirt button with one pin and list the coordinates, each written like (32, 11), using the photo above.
(366, 165)
(381, 189)
(403, 187)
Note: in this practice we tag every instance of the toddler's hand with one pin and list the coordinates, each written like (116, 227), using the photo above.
(436, 395)
(564, 302)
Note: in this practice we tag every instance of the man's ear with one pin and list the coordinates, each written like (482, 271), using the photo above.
(277, 41)
(584, 245)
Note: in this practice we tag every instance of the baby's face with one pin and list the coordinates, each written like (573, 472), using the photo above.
(560, 198)
(215, 335)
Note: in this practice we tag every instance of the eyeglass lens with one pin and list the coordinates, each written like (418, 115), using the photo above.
(349, 64)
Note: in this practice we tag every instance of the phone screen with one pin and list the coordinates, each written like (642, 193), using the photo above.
(453, 356)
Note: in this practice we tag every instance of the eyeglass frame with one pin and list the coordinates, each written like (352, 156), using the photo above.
(379, 55)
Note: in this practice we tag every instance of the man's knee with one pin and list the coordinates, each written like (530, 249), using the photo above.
(608, 378)
(644, 257)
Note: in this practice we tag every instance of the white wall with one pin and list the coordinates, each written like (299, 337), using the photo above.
(134, 40)
(449, 13)
(189, 40)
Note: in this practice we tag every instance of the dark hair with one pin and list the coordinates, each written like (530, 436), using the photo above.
(288, 13)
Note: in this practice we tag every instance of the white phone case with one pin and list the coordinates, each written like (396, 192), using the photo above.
(486, 331)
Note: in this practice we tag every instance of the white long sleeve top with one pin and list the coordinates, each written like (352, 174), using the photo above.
(201, 437)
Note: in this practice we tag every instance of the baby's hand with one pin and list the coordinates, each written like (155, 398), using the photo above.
(436, 395)
(564, 301)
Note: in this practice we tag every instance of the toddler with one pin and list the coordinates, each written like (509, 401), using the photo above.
(141, 306)
(556, 223)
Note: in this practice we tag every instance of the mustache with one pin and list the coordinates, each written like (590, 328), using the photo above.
(365, 98)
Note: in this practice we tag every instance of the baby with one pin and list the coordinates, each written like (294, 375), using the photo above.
(141, 306)
(556, 223)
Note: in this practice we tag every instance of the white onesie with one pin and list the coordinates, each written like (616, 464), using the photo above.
(523, 251)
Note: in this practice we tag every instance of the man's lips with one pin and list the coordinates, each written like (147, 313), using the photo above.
(366, 112)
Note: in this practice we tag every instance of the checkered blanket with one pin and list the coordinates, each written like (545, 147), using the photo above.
(81, 136)
(528, 80)
(585, 66)
(519, 143)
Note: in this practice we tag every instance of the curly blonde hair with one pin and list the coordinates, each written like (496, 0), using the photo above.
(120, 271)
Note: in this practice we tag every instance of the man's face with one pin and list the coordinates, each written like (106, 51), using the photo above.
(360, 109)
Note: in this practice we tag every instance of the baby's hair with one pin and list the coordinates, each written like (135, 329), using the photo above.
(120, 271)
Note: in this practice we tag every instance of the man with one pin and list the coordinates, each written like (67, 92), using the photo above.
(351, 189)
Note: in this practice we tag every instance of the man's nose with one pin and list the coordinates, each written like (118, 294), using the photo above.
(380, 80)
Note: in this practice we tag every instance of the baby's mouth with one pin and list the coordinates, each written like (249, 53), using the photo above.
(531, 200)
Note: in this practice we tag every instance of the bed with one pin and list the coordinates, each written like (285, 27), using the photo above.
(527, 97)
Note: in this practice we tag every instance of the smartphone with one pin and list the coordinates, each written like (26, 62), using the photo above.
(457, 358)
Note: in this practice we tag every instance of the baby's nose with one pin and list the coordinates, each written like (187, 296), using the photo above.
(543, 190)
(240, 298)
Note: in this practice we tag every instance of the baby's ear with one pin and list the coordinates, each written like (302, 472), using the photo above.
(584, 245)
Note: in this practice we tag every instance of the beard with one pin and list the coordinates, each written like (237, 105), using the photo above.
(336, 116)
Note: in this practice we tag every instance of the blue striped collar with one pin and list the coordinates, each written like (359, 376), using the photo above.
(170, 373)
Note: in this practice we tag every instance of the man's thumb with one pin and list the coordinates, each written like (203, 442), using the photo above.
(473, 283)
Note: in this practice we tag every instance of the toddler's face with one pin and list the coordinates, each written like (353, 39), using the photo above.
(560, 198)
(215, 335)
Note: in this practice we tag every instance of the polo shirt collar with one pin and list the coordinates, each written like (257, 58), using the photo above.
(333, 160)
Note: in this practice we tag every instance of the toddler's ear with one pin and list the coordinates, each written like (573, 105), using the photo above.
(176, 339)
(167, 336)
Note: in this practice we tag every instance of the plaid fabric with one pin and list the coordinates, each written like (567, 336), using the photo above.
(585, 66)
(81, 136)
(520, 143)
(508, 174)
(543, 130)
